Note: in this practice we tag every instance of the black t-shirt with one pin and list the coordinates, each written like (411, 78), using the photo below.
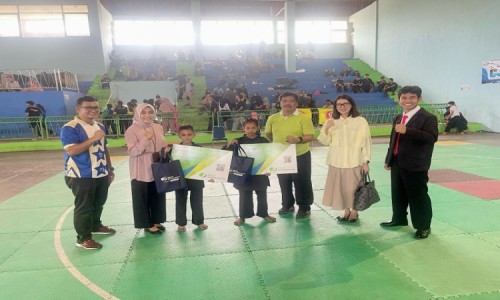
(121, 110)
(33, 111)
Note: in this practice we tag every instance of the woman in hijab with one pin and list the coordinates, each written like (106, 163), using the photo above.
(145, 138)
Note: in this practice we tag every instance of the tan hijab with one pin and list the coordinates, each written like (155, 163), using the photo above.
(137, 115)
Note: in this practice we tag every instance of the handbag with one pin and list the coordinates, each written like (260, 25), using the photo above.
(240, 171)
(168, 175)
(366, 195)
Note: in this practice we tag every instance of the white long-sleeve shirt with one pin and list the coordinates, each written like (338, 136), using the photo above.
(349, 142)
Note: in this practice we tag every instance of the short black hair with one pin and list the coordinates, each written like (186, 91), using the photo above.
(186, 127)
(85, 99)
(290, 94)
(253, 121)
(410, 89)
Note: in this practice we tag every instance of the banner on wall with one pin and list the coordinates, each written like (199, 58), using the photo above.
(490, 71)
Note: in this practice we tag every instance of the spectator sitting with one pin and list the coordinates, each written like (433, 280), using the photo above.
(346, 71)
(391, 86)
(105, 81)
(381, 84)
(329, 72)
(356, 84)
(11, 84)
(339, 84)
(366, 84)
(328, 104)
(33, 86)
(454, 119)
(256, 102)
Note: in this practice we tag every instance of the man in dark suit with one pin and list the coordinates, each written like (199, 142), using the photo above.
(413, 135)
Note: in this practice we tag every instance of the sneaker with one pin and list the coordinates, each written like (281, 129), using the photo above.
(104, 230)
(301, 214)
(285, 211)
(89, 245)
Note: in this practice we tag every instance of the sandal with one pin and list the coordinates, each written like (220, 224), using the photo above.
(181, 228)
(353, 220)
(203, 226)
(157, 231)
(342, 219)
(160, 226)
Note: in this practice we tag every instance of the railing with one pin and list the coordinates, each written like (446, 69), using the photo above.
(38, 80)
(20, 127)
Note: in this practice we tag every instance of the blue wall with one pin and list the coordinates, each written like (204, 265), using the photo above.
(438, 45)
(56, 103)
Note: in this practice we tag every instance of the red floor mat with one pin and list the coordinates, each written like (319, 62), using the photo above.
(449, 175)
(484, 189)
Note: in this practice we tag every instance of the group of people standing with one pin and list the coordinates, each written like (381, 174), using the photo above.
(347, 135)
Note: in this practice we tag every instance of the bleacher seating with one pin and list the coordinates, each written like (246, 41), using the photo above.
(309, 76)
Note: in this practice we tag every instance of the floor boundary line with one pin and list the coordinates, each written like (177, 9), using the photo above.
(61, 254)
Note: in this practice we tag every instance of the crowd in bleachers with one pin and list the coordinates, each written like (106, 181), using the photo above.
(150, 68)
(36, 81)
(358, 84)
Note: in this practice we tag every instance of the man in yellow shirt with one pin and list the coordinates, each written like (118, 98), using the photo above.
(289, 126)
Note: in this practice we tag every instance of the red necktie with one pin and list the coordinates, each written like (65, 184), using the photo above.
(395, 151)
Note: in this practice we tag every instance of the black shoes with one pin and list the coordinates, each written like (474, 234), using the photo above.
(302, 214)
(393, 224)
(286, 211)
(422, 234)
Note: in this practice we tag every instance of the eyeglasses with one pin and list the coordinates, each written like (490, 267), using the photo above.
(347, 104)
(90, 108)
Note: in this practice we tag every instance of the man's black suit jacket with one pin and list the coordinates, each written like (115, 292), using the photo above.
(417, 144)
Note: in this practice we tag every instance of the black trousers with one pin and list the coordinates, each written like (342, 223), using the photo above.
(409, 188)
(301, 182)
(196, 200)
(90, 197)
(149, 207)
(456, 122)
(246, 203)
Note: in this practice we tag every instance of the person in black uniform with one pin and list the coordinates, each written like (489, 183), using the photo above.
(259, 183)
(195, 187)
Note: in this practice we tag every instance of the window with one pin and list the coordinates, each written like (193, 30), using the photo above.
(316, 32)
(76, 20)
(153, 32)
(236, 32)
(9, 25)
(44, 20)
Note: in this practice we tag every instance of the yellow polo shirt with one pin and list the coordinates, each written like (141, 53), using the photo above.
(296, 124)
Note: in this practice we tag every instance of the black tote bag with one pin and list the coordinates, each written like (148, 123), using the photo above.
(366, 195)
(168, 175)
(240, 172)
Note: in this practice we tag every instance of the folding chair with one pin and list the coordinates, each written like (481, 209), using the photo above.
(218, 134)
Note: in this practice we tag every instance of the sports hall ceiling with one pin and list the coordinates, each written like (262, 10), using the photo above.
(232, 8)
